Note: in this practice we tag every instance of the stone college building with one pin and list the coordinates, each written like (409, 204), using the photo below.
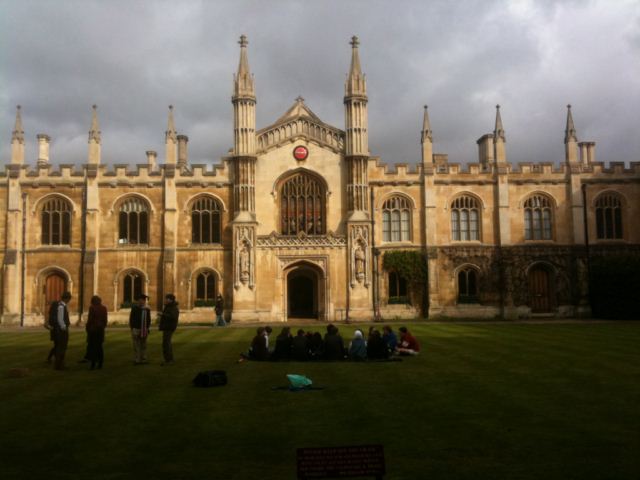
(297, 220)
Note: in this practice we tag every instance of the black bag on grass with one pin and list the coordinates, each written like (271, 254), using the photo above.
(210, 378)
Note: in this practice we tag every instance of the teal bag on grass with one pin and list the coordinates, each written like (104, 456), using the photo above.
(299, 381)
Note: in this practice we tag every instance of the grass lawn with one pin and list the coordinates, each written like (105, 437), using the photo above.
(497, 401)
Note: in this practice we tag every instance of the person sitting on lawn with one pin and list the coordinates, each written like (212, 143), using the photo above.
(282, 350)
(408, 343)
(390, 339)
(376, 348)
(316, 345)
(258, 350)
(333, 344)
(358, 347)
(300, 347)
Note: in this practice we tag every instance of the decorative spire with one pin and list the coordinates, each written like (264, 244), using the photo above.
(426, 126)
(171, 133)
(18, 133)
(498, 132)
(356, 84)
(243, 80)
(94, 132)
(570, 131)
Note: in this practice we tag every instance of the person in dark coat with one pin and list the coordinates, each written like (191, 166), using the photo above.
(96, 323)
(300, 347)
(219, 309)
(376, 348)
(168, 324)
(59, 322)
(333, 344)
(282, 350)
(139, 322)
(259, 350)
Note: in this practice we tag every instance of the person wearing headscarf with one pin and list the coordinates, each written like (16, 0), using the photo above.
(358, 347)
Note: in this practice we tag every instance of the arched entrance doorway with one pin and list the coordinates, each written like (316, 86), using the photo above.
(304, 292)
(55, 284)
(540, 289)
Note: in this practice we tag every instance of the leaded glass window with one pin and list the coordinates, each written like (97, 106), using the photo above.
(538, 218)
(205, 221)
(133, 222)
(465, 219)
(609, 217)
(396, 220)
(56, 222)
(302, 205)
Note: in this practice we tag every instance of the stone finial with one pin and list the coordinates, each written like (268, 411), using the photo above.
(356, 84)
(426, 126)
(152, 159)
(570, 131)
(498, 132)
(243, 81)
(182, 150)
(18, 133)
(94, 132)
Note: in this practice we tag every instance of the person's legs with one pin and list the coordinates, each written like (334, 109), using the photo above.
(62, 339)
(167, 347)
(143, 349)
(137, 349)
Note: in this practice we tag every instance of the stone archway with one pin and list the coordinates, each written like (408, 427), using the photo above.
(304, 287)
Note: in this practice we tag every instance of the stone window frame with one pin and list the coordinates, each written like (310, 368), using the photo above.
(397, 218)
(538, 217)
(463, 276)
(133, 206)
(612, 203)
(463, 207)
(213, 207)
(51, 206)
(318, 194)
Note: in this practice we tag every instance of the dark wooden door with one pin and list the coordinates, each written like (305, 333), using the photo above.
(54, 286)
(539, 290)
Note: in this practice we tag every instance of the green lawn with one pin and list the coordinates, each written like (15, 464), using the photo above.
(504, 401)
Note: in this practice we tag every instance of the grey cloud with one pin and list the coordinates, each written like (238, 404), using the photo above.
(135, 58)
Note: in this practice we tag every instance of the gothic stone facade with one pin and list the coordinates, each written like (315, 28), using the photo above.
(294, 223)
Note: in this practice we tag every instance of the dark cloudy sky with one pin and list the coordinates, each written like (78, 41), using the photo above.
(133, 58)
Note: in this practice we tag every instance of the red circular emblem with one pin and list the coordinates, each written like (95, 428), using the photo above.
(300, 153)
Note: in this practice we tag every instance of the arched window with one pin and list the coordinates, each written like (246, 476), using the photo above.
(302, 205)
(205, 289)
(205, 221)
(397, 289)
(131, 288)
(56, 222)
(537, 218)
(134, 222)
(609, 216)
(467, 285)
(396, 220)
(465, 219)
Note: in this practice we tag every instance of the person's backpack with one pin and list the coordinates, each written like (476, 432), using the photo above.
(210, 378)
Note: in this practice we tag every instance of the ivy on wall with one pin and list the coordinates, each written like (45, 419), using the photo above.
(409, 264)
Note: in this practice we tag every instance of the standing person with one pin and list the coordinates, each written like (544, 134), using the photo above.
(48, 324)
(168, 325)
(139, 322)
(408, 344)
(96, 323)
(219, 309)
(59, 322)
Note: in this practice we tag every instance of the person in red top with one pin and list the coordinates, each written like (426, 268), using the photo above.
(95, 331)
(408, 344)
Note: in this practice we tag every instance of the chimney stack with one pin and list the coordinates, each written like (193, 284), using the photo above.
(43, 149)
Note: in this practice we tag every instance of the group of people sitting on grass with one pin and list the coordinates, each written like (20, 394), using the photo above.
(308, 346)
